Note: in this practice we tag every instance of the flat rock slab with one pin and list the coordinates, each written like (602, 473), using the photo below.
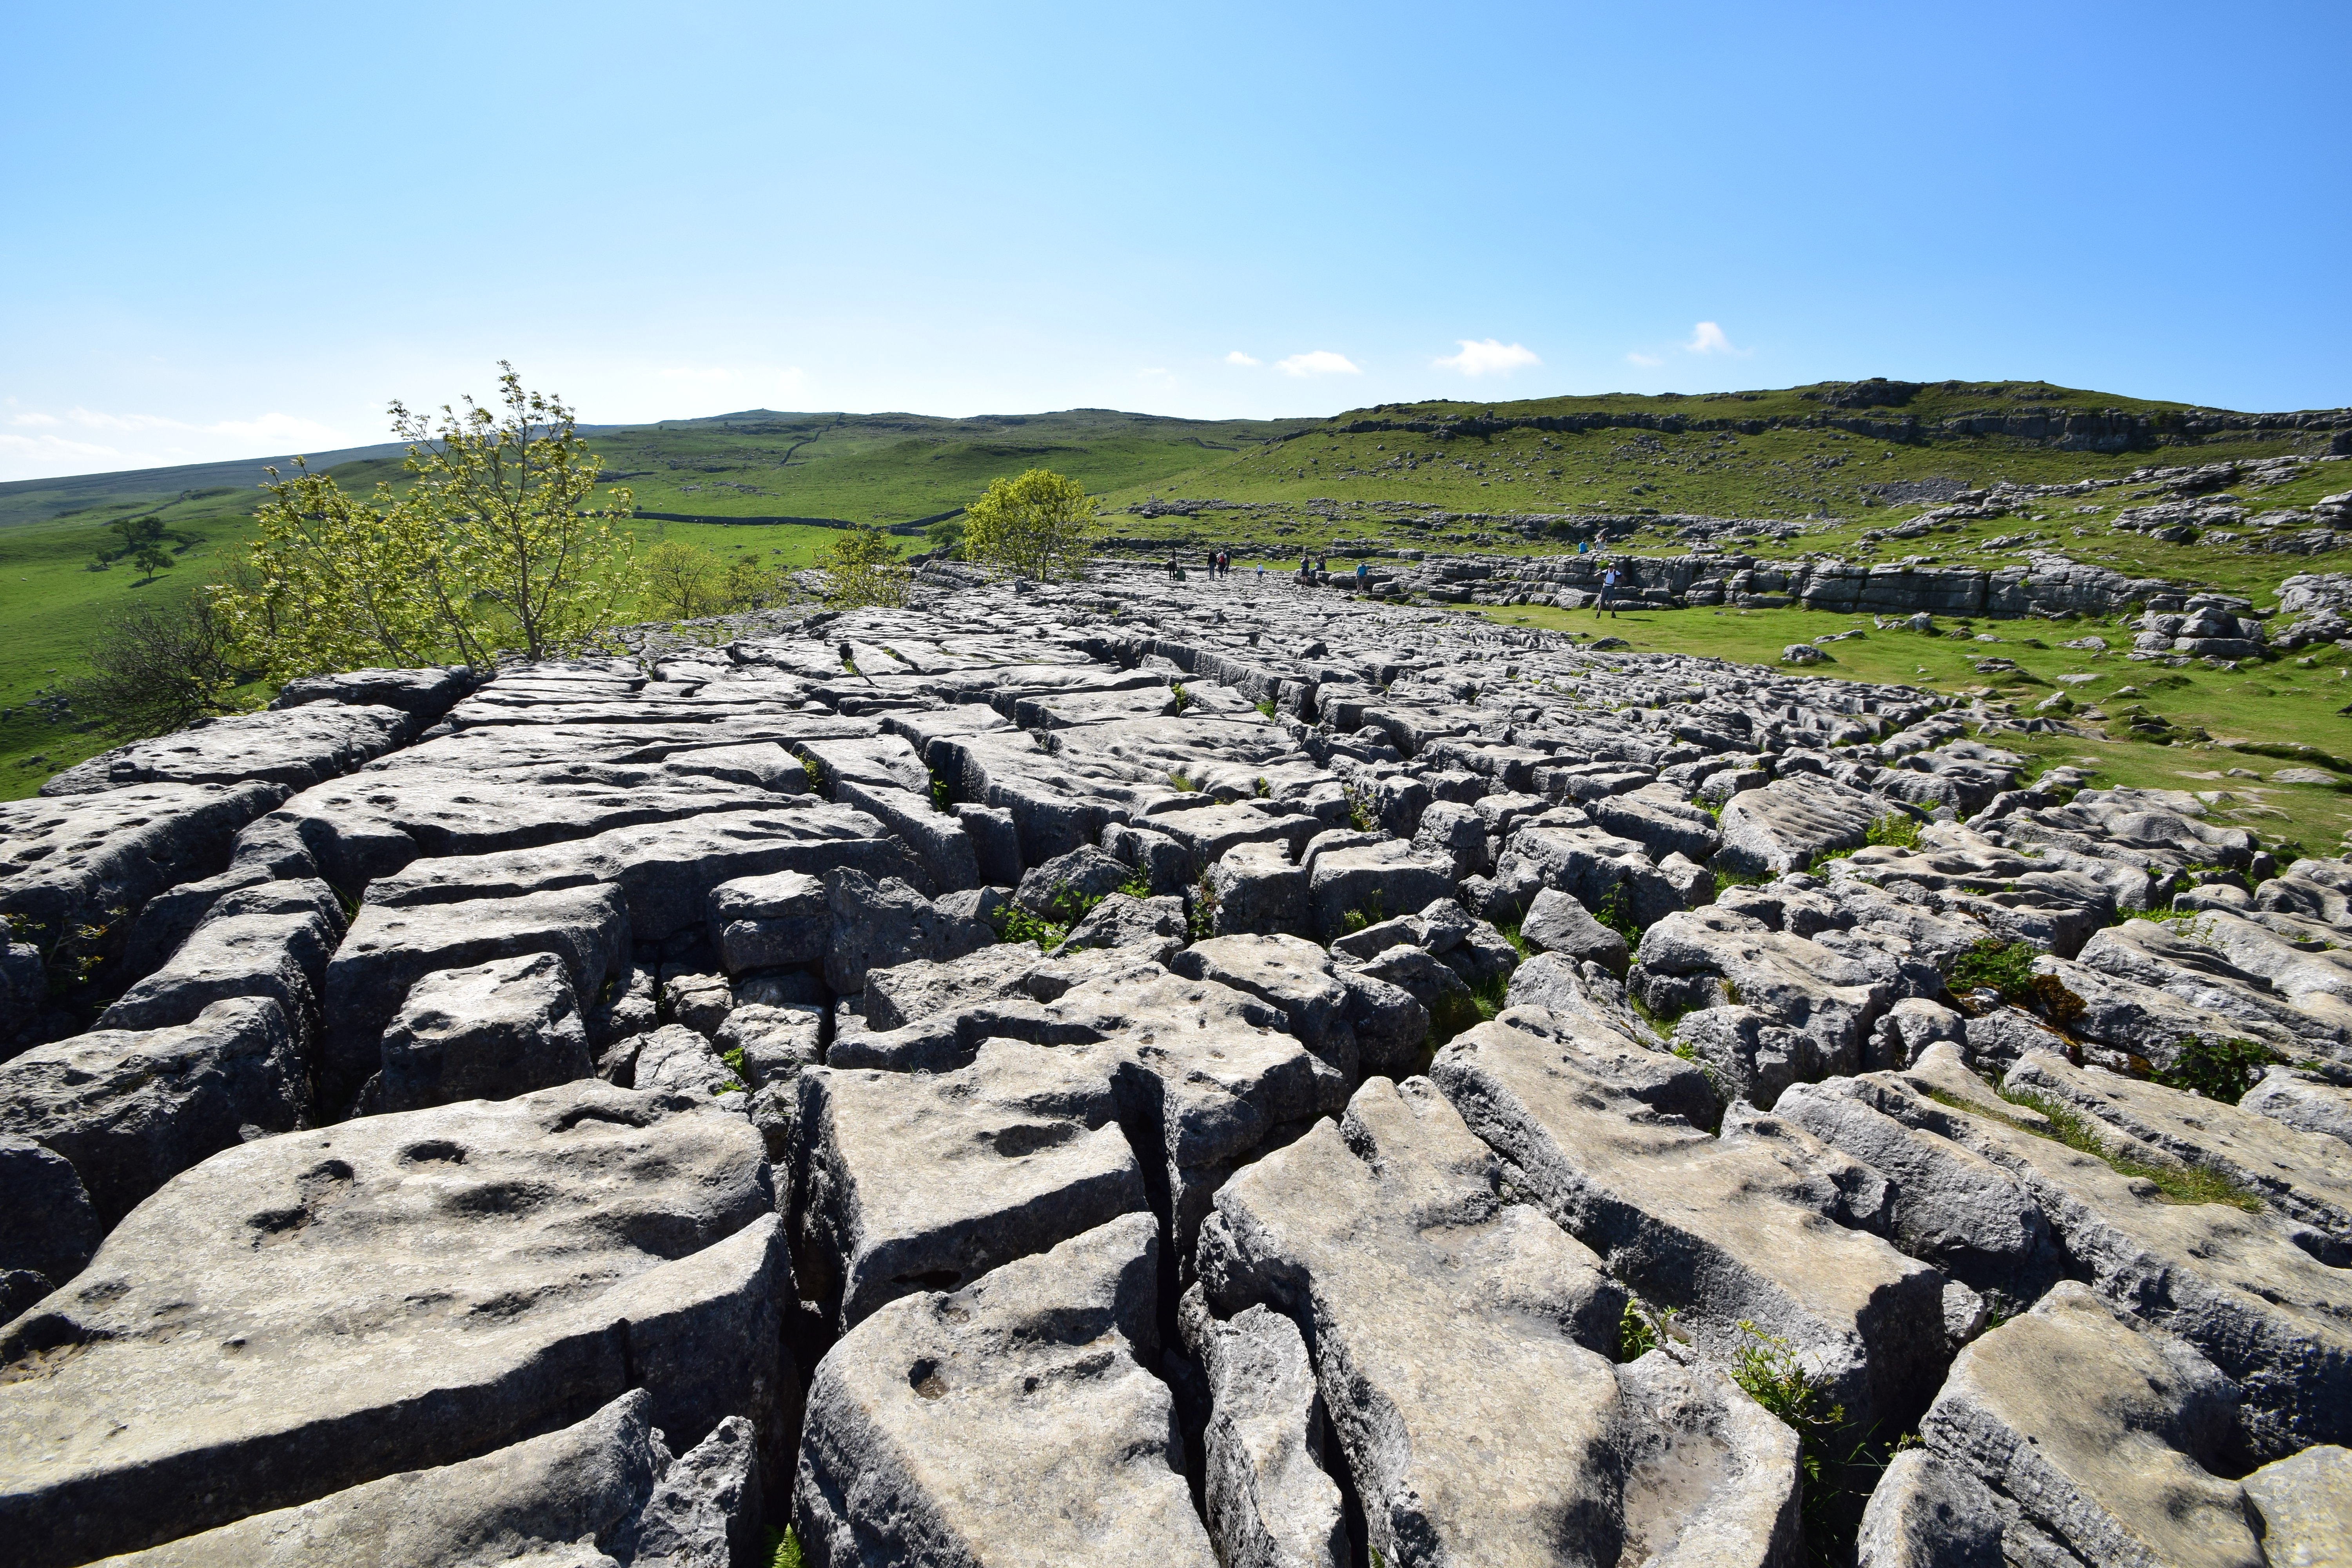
(1784, 826)
(1455, 1336)
(132, 1108)
(296, 747)
(273, 940)
(1011, 1422)
(908, 1183)
(666, 870)
(591, 1481)
(70, 860)
(2097, 1438)
(305, 1313)
(1723, 1232)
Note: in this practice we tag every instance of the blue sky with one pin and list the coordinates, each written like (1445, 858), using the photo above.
(234, 230)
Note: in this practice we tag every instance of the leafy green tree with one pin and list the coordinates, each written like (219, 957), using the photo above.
(945, 534)
(151, 559)
(509, 492)
(1034, 525)
(864, 569)
(684, 582)
(492, 547)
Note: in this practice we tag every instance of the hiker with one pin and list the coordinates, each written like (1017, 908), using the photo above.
(1361, 575)
(1608, 583)
(1306, 564)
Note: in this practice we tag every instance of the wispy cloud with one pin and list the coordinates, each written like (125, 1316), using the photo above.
(1487, 357)
(1645, 360)
(1319, 362)
(1237, 357)
(1706, 338)
(87, 440)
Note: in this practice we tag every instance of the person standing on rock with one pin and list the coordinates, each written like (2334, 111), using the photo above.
(1608, 586)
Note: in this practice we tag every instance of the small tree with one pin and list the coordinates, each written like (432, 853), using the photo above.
(151, 559)
(156, 667)
(684, 583)
(509, 493)
(864, 569)
(1034, 525)
(491, 548)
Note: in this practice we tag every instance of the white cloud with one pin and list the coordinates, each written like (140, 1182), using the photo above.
(1490, 357)
(1237, 357)
(1706, 338)
(1647, 361)
(1320, 362)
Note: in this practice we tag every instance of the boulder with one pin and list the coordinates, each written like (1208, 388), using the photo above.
(877, 925)
(398, 1291)
(1268, 1501)
(1211, 832)
(388, 950)
(47, 1228)
(675, 1061)
(1255, 891)
(584, 1488)
(1289, 973)
(905, 1182)
(1924, 1514)
(1720, 956)
(1455, 834)
(705, 1509)
(926, 1440)
(1057, 889)
(490, 1032)
(769, 922)
(1788, 822)
(2302, 1506)
(1598, 870)
(271, 940)
(901, 993)
(1371, 882)
(1155, 928)
(1556, 922)
(2302, 1100)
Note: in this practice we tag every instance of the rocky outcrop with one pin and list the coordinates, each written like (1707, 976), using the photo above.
(1424, 1087)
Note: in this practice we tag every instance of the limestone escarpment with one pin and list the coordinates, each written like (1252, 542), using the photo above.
(1148, 1071)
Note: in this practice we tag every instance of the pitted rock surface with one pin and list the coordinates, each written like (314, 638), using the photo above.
(1252, 1073)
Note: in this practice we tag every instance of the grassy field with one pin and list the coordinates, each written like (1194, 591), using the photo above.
(2293, 700)
(1319, 487)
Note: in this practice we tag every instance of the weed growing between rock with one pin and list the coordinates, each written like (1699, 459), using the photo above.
(1769, 1368)
(1184, 698)
(784, 1548)
(2174, 1184)
(2008, 968)
(2217, 1069)
(1613, 913)
(1896, 830)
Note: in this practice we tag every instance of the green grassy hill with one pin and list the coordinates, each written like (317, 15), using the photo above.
(1432, 475)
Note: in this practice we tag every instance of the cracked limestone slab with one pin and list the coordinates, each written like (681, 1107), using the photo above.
(309, 1312)
(1600, 1132)
(1014, 1421)
(1453, 1332)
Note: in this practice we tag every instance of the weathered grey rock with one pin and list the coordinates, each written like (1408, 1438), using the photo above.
(666, 871)
(2300, 1174)
(1924, 1514)
(69, 862)
(389, 949)
(1442, 1316)
(2302, 1508)
(2097, 1439)
(562, 1246)
(1211, 832)
(1601, 1130)
(133, 1108)
(2238, 1286)
(273, 940)
(877, 925)
(1154, 929)
(1716, 957)
(704, 1512)
(1556, 922)
(490, 1032)
(901, 993)
(1784, 826)
(2302, 1100)
(927, 1442)
(1455, 834)
(907, 1182)
(424, 695)
(1595, 868)
(1660, 820)
(528, 1502)
(1255, 891)
(1909, 1027)
(1269, 1502)
(1391, 1026)
(768, 923)
(46, 1225)
(676, 1061)
(296, 747)
(1292, 974)
(1373, 881)
(1165, 865)
(1057, 890)
(938, 841)
(995, 843)
(776, 1042)
(700, 1002)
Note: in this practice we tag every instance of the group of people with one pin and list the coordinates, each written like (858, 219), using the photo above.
(1221, 564)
